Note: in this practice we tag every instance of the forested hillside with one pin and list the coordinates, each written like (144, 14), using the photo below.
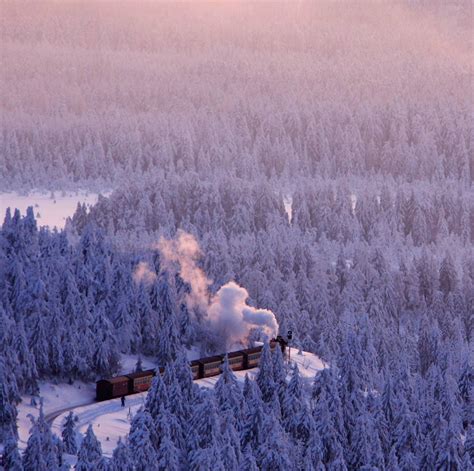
(319, 155)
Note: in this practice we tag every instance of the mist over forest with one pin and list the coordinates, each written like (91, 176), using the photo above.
(269, 166)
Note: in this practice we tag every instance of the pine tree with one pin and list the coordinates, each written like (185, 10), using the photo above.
(41, 450)
(168, 454)
(69, 434)
(279, 373)
(228, 394)
(204, 425)
(203, 459)
(8, 412)
(254, 415)
(184, 376)
(157, 396)
(33, 458)
(11, 456)
(138, 365)
(105, 357)
(293, 399)
(449, 455)
(313, 453)
(140, 442)
(248, 462)
(265, 374)
(121, 459)
(90, 452)
(447, 275)
(273, 451)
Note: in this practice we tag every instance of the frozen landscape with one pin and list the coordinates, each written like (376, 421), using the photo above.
(187, 179)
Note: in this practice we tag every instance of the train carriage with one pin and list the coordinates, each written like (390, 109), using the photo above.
(252, 357)
(112, 387)
(195, 366)
(236, 361)
(211, 366)
(140, 381)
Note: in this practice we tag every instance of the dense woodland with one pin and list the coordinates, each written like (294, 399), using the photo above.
(327, 169)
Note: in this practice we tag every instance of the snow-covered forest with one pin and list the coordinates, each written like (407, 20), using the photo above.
(318, 154)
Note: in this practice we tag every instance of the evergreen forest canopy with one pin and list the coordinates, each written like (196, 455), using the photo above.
(98, 95)
(358, 116)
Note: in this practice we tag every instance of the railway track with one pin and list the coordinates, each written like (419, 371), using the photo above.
(51, 416)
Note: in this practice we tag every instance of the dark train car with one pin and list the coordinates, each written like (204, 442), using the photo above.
(140, 381)
(112, 387)
(211, 366)
(202, 368)
(252, 357)
(236, 360)
(195, 366)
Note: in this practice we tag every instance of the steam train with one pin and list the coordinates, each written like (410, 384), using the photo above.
(133, 383)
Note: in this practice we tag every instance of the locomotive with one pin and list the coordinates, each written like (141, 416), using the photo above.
(133, 383)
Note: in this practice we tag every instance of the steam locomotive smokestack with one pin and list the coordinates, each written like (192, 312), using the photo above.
(227, 311)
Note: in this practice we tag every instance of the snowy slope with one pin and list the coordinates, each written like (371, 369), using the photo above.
(110, 421)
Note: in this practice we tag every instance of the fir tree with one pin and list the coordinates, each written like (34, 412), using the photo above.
(140, 442)
(11, 456)
(121, 459)
(90, 452)
(265, 374)
(69, 434)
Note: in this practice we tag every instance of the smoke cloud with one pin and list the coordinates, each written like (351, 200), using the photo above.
(227, 311)
(144, 274)
(233, 319)
(185, 251)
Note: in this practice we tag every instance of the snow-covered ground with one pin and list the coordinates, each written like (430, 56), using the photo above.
(50, 208)
(111, 421)
(56, 397)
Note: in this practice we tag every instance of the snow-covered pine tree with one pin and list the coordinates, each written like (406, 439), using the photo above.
(265, 374)
(90, 452)
(140, 442)
(69, 435)
(121, 459)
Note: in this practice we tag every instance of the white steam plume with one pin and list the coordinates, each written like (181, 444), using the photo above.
(233, 319)
(144, 274)
(227, 311)
(185, 251)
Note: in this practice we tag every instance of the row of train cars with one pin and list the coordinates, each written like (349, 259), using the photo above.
(133, 383)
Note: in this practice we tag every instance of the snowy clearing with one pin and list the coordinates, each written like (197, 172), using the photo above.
(50, 208)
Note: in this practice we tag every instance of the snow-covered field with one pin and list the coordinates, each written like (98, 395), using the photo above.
(50, 208)
(111, 421)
